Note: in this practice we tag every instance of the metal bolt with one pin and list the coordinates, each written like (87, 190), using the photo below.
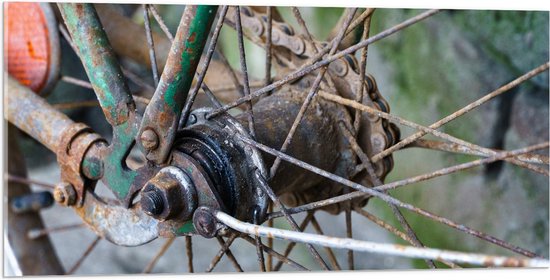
(149, 139)
(169, 195)
(65, 194)
(151, 201)
(205, 223)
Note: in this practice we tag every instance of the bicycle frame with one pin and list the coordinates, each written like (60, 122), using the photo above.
(94, 160)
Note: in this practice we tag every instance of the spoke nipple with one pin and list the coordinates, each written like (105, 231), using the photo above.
(65, 194)
(149, 139)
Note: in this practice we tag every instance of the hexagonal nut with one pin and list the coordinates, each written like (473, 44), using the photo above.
(169, 195)
(65, 194)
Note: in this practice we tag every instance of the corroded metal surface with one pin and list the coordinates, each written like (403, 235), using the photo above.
(163, 112)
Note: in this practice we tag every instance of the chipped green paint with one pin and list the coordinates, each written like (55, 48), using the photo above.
(99, 60)
(106, 77)
(193, 46)
(185, 228)
(118, 177)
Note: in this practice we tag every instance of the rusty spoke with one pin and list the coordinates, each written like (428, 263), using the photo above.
(291, 245)
(258, 242)
(267, 190)
(213, 99)
(160, 253)
(302, 23)
(17, 179)
(330, 253)
(445, 136)
(224, 247)
(394, 231)
(273, 253)
(161, 23)
(84, 256)
(229, 254)
(377, 182)
(75, 105)
(376, 192)
(37, 233)
(392, 185)
(150, 44)
(349, 234)
(189, 252)
(245, 84)
(312, 92)
(268, 55)
(505, 88)
(308, 68)
(204, 68)
(269, 260)
(78, 82)
(362, 70)
(454, 148)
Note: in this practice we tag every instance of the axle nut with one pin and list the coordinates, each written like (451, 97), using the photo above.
(65, 194)
(169, 195)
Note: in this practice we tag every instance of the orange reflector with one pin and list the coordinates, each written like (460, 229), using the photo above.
(32, 52)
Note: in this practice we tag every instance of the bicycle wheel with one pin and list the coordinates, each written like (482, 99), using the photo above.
(311, 135)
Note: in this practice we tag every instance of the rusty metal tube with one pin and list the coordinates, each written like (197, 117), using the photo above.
(32, 114)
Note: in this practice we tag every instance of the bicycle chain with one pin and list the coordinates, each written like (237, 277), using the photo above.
(290, 49)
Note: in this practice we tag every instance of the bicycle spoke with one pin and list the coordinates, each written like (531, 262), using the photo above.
(305, 30)
(204, 68)
(312, 92)
(281, 258)
(150, 44)
(161, 23)
(350, 256)
(258, 241)
(376, 193)
(22, 180)
(37, 233)
(189, 251)
(270, 240)
(377, 182)
(542, 68)
(392, 185)
(160, 253)
(362, 71)
(242, 59)
(229, 254)
(308, 68)
(291, 245)
(267, 190)
(268, 57)
(84, 256)
(78, 82)
(454, 148)
(395, 231)
(74, 105)
(221, 252)
(215, 101)
(330, 253)
(393, 118)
